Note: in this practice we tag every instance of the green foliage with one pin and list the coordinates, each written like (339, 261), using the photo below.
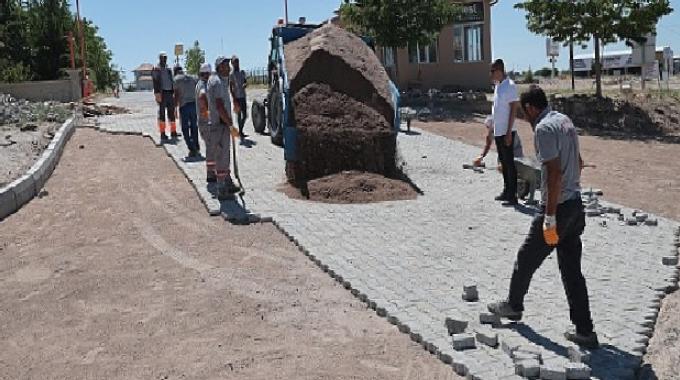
(603, 20)
(195, 57)
(34, 44)
(545, 72)
(398, 23)
(529, 76)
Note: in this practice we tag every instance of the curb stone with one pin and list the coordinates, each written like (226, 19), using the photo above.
(22, 190)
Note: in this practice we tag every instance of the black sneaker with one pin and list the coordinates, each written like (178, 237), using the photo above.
(164, 137)
(227, 190)
(504, 310)
(588, 341)
(174, 135)
(510, 202)
(211, 178)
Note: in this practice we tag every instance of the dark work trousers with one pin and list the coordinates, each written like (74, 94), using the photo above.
(570, 224)
(243, 113)
(167, 104)
(506, 155)
(187, 114)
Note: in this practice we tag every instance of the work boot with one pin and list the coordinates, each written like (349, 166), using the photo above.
(504, 310)
(227, 190)
(588, 341)
(210, 178)
(512, 202)
(501, 197)
(164, 137)
(174, 135)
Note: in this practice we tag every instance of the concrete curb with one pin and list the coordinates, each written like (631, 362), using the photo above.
(22, 190)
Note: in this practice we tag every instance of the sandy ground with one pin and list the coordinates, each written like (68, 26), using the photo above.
(119, 273)
(633, 173)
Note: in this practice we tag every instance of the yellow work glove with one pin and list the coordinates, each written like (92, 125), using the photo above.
(550, 230)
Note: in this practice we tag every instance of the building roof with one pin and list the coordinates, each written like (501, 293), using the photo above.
(145, 77)
(144, 67)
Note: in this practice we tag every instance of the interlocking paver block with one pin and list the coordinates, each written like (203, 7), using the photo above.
(470, 293)
(578, 354)
(529, 368)
(463, 341)
(553, 372)
(577, 371)
(486, 336)
(455, 325)
(487, 318)
(670, 260)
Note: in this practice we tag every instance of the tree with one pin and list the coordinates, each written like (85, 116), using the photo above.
(602, 20)
(399, 23)
(48, 23)
(14, 51)
(195, 57)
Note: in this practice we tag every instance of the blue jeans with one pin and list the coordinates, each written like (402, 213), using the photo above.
(187, 114)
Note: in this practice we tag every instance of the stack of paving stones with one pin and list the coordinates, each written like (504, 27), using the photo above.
(411, 281)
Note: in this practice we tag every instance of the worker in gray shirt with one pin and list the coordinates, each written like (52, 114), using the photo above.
(560, 223)
(219, 107)
(185, 100)
(238, 82)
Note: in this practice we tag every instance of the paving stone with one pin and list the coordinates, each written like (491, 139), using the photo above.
(455, 325)
(576, 371)
(553, 372)
(670, 260)
(470, 293)
(529, 368)
(487, 318)
(486, 336)
(463, 341)
(578, 354)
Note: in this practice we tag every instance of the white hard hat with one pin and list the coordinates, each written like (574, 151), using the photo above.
(205, 69)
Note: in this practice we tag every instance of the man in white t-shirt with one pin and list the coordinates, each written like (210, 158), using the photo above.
(505, 104)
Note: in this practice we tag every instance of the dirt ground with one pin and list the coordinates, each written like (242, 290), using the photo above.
(110, 278)
(640, 174)
(19, 150)
(353, 187)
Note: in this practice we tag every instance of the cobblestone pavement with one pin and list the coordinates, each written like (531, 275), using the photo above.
(410, 259)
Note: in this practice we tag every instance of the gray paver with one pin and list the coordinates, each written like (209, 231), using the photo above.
(417, 253)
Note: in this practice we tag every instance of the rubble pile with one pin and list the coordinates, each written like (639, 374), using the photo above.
(91, 109)
(26, 115)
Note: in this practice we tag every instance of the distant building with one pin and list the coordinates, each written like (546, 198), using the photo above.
(143, 79)
(612, 62)
(676, 65)
(458, 60)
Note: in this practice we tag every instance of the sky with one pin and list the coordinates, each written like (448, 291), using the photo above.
(137, 30)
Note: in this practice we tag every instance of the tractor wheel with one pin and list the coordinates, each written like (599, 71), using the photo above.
(257, 112)
(276, 118)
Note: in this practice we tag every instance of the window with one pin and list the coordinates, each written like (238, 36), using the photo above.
(422, 54)
(388, 56)
(468, 42)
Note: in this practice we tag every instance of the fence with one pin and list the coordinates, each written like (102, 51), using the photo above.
(257, 75)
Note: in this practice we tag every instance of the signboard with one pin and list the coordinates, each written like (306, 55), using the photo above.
(552, 48)
(179, 50)
(613, 61)
(651, 70)
(472, 12)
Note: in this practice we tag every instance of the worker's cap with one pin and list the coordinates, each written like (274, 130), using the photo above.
(162, 54)
(220, 60)
(205, 69)
(234, 57)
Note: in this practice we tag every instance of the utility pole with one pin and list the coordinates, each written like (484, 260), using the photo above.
(571, 63)
(81, 32)
(285, 3)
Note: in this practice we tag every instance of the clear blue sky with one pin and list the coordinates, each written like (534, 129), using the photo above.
(137, 30)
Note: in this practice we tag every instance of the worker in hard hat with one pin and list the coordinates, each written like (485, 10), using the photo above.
(201, 94)
(219, 108)
(185, 101)
(163, 89)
